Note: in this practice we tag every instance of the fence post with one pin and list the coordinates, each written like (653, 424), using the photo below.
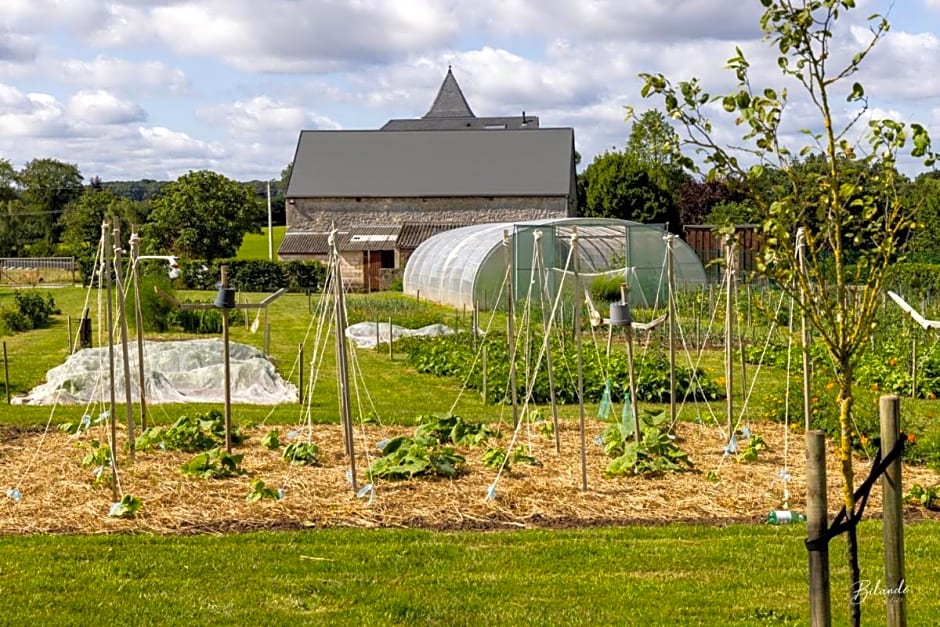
(895, 588)
(817, 523)
(300, 373)
(6, 372)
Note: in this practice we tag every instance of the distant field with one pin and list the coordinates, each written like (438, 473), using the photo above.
(255, 246)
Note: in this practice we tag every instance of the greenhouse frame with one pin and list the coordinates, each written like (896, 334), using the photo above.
(466, 267)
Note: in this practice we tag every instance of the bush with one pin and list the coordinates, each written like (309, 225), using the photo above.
(914, 278)
(305, 275)
(606, 289)
(36, 307)
(157, 312)
(256, 275)
(205, 321)
(13, 321)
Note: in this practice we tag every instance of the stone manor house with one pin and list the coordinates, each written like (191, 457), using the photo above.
(388, 190)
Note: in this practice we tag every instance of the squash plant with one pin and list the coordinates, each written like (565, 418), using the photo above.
(404, 457)
(302, 453)
(656, 453)
(215, 463)
(199, 432)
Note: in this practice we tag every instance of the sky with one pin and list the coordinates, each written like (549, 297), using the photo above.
(133, 89)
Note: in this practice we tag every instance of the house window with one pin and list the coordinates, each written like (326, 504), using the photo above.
(388, 258)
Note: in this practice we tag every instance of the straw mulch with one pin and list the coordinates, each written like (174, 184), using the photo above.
(59, 495)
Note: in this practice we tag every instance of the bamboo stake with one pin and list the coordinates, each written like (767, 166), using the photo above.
(139, 323)
(105, 269)
(227, 370)
(578, 304)
(510, 330)
(342, 367)
(547, 340)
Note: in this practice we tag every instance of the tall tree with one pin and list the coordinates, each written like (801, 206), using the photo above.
(202, 215)
(839, 295)
(48, 186)
(7, 181)
(82, 221)
(618, 185)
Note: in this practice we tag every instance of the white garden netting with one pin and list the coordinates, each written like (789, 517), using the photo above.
(188, 371)
(370, 334)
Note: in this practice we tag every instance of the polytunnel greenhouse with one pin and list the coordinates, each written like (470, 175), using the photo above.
(466, 267)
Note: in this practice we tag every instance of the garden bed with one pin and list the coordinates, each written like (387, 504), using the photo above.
(59, 495)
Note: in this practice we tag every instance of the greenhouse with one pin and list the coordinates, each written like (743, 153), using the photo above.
(466, 267)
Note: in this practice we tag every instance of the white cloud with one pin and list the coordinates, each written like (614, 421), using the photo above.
(30, 115)
(17, 48)
(263, 116)
(114, 73)
(102, 107)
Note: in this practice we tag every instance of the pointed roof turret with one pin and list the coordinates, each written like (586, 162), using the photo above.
(450, 102)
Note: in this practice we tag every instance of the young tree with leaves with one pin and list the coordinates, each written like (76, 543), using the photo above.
(837, 208)
(202, 215)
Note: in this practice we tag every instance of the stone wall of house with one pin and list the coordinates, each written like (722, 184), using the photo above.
(317, 214)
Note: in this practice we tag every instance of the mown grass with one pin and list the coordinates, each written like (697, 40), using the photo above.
(255, 246)
(673, 575)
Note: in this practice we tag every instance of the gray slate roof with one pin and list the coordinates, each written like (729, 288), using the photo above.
(409, 164)
(451, 111)
(356, 238)
(449, 102)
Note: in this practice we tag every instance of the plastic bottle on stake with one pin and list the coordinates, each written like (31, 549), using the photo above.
(784, 517)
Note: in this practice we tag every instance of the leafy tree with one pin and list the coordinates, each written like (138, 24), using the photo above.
(697, 199)
(617, 185)
(48, 187)
(655, 143)
(202, 215)
(731, 213)
(836, 208)
(924, 194)
(7, 181)
(82, 221)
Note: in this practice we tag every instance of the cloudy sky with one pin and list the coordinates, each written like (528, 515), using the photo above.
(130, 89)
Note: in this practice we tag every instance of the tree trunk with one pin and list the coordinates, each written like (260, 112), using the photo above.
(848, 493)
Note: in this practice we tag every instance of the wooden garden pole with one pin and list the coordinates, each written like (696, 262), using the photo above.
(342, 367)
(139, 323)
(68, 322)
(671, 312)
(6, 372)
(631, 372)
(227, 369)
(729, 335)
(547, 330)
(576, 311)
(483, 359)
(510, 327)
(895, 587)
(817, 523)
(300, 372)
(105, 270)
(391, 356)
(125, 353)
(804, 333)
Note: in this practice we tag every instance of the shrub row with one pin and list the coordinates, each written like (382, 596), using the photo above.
(244, 275)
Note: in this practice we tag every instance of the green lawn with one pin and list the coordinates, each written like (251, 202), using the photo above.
(674, 575)
(255, 246)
